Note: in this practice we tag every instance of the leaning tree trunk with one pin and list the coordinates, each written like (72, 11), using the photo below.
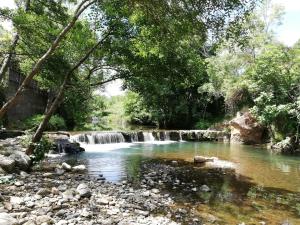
(58, 99)
(7, 60)
(37, 66)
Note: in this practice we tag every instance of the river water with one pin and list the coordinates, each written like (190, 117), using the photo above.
(260, 178)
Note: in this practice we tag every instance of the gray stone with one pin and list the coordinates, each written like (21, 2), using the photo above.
(7, 164)
(43, 192)
(23, 161)
(83, 190)
(44, 219)
(6, 219)
(19, 183)
(204, 188)
(79, 168)
(66, 166)
(68, 195)
(16, 200)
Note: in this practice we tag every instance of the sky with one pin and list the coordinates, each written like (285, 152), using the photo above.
(288, 33)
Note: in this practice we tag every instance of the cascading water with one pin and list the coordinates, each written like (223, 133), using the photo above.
(157, 137)
(148, 137)
(100, 138)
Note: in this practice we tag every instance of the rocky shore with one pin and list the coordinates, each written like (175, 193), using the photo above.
(55, 198)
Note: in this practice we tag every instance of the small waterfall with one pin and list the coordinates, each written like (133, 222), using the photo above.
(148, 136)
(167, 136)
(100, 138)
(134, 137)
(180, 136)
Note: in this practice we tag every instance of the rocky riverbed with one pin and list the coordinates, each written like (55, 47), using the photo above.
(165, 192)
(56, 198)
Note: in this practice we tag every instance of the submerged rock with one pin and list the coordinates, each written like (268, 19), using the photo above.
(202, 159)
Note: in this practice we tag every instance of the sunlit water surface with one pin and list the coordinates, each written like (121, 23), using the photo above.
(117, 161)
(264, 186)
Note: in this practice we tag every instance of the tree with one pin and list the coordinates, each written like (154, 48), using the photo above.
(37, 66)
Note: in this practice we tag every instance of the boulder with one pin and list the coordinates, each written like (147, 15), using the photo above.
(6, 219)
(7, 164)
(23, 161)
(246, 130)
(65, 146)
(287, 146)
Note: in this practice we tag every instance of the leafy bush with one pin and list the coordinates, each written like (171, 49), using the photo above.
(40, 150)
(56, 123)
(203, 124)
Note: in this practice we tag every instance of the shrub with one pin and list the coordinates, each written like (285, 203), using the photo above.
(56, 123)
(40, 150)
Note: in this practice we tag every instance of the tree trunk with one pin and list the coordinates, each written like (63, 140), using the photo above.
(7, 60)
(58, 99)
(37, 67)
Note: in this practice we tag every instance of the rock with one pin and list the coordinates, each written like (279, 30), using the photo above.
(68, 195)
(2, 171)
(47, 174)
(146, 193)
(59, 171)
(79, 168)
(103, 201)
(8, 206)
(7, 164)
(54, 191)
(16, 200)
(287, 146)
(174, 162)
(19, 183)
(85, 213)
(62, 222)
(23, 161)
(141, 212)
(246, 130)
(83, 190)
(24, 174)
(30, 222)
(6, 219)
(65, 146)
(204, 188)
(43, 192)
(155, 191)
(202, 159)
(1, 198)
(44, 219)
(66, 166)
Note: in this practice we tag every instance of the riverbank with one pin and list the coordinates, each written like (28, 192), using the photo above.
(52, 198)
(165, 192)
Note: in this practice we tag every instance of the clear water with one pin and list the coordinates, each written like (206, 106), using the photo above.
(264, 187)
(117, 161)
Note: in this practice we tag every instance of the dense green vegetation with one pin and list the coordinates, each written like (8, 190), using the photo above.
(184, 64)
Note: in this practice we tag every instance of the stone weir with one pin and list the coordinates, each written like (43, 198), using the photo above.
(104, 137)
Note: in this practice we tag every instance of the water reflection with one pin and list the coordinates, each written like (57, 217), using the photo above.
(117, 162)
